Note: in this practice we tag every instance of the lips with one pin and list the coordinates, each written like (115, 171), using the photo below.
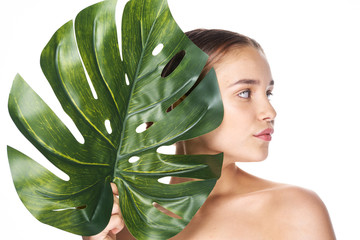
(265, 135)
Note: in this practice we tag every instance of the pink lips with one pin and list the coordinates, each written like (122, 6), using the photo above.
(265, 135)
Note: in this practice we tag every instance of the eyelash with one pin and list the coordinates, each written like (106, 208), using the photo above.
(269, 94)
(245, 91)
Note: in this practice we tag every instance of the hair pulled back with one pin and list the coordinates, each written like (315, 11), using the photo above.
(216, 43)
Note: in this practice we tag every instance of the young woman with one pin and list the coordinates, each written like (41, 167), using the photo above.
(241, 206)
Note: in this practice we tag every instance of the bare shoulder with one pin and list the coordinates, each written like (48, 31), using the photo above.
(302, 212)
(297, 201)
(289, 195)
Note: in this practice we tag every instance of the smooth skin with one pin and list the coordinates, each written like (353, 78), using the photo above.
(242, 206)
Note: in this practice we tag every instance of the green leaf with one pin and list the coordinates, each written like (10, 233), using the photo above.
(82, 205)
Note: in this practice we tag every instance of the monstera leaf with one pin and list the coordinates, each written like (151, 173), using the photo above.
(131, 91)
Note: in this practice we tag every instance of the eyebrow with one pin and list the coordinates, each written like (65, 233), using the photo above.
(250, 82)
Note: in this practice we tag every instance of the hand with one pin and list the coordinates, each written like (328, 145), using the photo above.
(116, 223)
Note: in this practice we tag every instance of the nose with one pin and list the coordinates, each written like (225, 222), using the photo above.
(267, 112)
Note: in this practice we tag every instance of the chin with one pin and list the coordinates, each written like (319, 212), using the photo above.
(261, 157)
(253, 157)
(258, 155)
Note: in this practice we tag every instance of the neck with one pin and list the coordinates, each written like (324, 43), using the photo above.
(228, 181)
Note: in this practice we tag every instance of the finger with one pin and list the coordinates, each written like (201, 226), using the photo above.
(116, 199)
(116, 207)
(114, 189)
(109, 238)
(115, 225)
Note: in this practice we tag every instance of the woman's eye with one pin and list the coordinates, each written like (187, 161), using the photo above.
(244, 94)
(269, 95)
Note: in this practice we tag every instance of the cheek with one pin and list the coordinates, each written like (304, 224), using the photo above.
(238, 121)
(235, 137)
(233, 132)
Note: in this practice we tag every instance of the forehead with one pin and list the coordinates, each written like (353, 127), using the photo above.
(243, 63)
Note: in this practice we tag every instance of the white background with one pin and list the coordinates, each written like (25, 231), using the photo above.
(313, 48)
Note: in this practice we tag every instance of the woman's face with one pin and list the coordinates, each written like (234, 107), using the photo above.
(246, 84)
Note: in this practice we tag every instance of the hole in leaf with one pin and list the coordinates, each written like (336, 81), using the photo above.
(141, 128)
(120, 6)
(62, 175)
(175, 104)
(81, 207)
(134, 159)
(149, 124)
(108, 126)
(173, 64)
(164, 180)
(177, 180)
(70, 208)
(73, 128)
(166, 149)
(166, 211)
(158, 49)
(127, 80)
(40, 159)
(92, 88)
